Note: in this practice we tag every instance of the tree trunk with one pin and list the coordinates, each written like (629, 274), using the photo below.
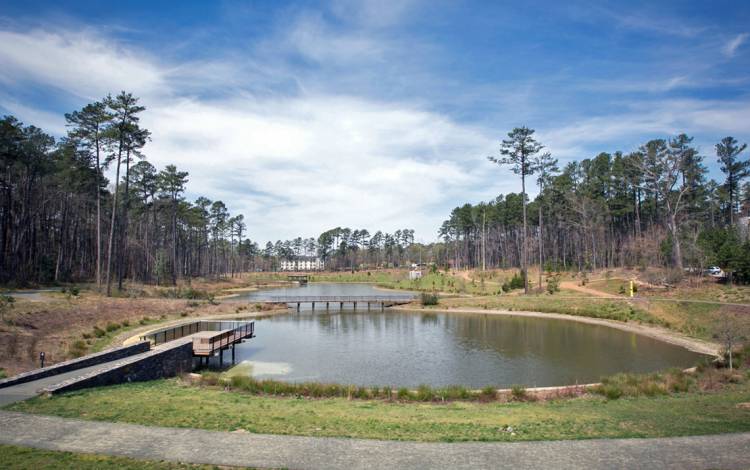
(676, 249)
(112, 223)
(98, 218)
(123, 258)
(524, 253)
(541, 238)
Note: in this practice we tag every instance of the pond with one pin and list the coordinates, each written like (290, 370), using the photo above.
(408, 349)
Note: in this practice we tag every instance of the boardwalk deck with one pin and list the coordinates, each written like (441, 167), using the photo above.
(206, 343)
(382, 300)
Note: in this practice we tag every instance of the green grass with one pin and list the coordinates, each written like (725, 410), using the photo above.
(168, 403)
(593, 307)
(25, 458)
(438, 281)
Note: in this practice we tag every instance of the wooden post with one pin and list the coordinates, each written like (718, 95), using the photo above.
(233, 354)
(221, 357)
(326, 305)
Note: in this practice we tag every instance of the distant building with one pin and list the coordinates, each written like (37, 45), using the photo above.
(305, 263)
(415, 275)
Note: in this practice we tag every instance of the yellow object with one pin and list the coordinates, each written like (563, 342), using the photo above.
(631, 287)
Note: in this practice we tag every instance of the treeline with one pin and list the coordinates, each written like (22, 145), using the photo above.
(344, 248)
(651, 207)
(62, 220)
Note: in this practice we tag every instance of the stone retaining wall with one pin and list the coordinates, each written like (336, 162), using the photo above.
(79, 363)
(155, 364)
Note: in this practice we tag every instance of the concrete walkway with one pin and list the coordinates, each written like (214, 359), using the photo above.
(27, 390)
(258, 450)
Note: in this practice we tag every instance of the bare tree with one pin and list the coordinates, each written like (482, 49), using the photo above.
(731, 330)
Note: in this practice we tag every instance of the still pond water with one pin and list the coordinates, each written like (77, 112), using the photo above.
(408, 349)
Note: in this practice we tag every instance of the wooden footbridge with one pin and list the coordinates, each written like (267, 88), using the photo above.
(381, 300)
(208, 337)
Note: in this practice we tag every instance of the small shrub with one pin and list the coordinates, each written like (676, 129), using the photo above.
(242, 382)
(87, 335)
(362, 393)
(519, 393)
(674, 277)
(210, 378)
(403, 393)
(516, 282)
(454, 392)
(610, 391)
(424, 393)
(78, 348)
(429, 299)
(74, 291)
(3, 374)
(112, 326)
(126, 323)
(677, 381)
(553, 284)
(488, 393)
(98, 332)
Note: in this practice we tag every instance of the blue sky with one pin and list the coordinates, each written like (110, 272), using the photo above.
(375, 114)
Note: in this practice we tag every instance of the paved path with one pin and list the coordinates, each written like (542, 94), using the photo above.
(727, 451)
(27, 390)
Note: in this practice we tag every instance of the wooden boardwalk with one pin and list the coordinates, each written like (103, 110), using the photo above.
(208, 336)
(382, 300)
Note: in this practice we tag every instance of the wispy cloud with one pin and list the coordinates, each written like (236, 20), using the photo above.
(346, 117)
(730, 48)
(316, 159)
(83, 63)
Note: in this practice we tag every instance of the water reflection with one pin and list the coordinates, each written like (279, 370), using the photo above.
(408, 349)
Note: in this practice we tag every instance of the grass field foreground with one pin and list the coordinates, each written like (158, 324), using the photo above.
(172, 404)
(25, 458)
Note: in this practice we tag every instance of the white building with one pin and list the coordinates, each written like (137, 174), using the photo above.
(302, 264)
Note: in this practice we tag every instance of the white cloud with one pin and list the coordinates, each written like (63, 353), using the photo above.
(320, 161)
(730, 48)
(82, 63)
(298, 162)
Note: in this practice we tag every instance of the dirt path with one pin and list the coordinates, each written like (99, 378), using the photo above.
(586, 290)
(259, 450)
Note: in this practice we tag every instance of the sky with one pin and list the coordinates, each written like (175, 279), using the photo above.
(376, 114)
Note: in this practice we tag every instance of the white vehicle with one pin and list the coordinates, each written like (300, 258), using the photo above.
(714, 271)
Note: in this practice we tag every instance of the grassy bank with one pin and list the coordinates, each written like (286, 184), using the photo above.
(168, 403)
(586, 307)
(696, 319)
(25, 458)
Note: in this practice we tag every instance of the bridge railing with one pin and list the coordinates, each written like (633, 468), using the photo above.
(171, 333)
(222, 339)
(337, 298)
